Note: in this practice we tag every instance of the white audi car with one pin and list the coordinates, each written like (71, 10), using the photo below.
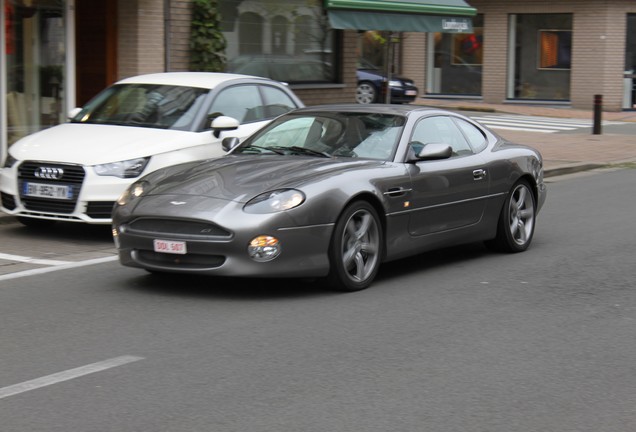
(77, 170)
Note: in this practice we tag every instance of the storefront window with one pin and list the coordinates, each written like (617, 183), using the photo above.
(288, 41)
(457, 60)
(35, 58)
(541, 46)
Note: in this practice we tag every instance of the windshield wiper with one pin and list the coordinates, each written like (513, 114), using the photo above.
(261, 149)
(304, 151)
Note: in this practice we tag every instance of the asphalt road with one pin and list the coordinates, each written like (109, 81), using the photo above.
(459, 340)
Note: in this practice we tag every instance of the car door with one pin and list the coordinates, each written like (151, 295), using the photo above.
(451, 193)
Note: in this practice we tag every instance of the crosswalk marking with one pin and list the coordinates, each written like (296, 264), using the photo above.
(535, 124)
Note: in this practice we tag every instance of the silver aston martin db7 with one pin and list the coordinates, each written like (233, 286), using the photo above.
(333, 192)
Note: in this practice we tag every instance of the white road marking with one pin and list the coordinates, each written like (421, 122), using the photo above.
(57, 268)
(535, 124)
(19, 258)
(66, 375)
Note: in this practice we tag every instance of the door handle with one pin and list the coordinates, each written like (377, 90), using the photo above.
(479, 174)
(397, 191)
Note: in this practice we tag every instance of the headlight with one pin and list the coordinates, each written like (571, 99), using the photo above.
(135, 190)
(124, 169)
(275, 201)
(9, 161)
(395, 83)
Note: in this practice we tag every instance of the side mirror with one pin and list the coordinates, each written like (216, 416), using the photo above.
(224, 123)
(75, 111)
(229, 143)
(433, 151)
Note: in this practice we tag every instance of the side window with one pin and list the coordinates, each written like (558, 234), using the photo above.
(475, 137)
(440, 129)
(277, 102)
(243, 102)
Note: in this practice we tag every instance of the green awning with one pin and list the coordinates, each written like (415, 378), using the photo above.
(447, 16)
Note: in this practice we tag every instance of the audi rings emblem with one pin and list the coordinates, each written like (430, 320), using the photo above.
(49, 173)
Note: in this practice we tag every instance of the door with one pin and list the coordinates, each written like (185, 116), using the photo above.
(95, 42)
(451, 193)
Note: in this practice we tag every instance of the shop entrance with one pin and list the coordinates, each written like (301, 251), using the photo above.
(96, 47)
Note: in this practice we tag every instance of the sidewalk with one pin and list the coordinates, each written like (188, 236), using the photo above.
(562, 153)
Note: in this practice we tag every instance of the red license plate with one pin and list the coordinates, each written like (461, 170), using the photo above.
(170, 246)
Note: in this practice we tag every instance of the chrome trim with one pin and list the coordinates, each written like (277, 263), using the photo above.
(446, 204)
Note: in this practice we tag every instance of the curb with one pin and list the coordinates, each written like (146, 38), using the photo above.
(571, 169)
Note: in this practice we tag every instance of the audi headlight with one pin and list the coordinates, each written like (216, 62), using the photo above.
(395, 83)
(135, 190)
(9, 161)
(124, 169)
(275, 201)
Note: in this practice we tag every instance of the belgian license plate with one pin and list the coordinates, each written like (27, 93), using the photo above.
(411, 93)
(170, 246)
(40, 190)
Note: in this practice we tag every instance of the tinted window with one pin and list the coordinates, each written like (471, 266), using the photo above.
(277, 102)
(240, 102)
(372, 136)
(475, 137)
(144, 105)
(441, 129)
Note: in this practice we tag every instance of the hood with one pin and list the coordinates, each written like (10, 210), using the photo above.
(89, 144)
(240, 178)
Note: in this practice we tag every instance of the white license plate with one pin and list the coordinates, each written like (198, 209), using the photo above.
(48, 191)
(170, 246)
(411, 93)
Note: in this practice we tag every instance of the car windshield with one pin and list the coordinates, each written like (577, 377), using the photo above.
(145, 105)
(364, 135)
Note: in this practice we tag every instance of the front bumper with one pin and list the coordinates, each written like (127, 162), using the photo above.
(303, 253)
(90, 200)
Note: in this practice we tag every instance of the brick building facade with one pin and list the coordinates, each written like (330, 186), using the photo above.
(56, 55)
(598, 49)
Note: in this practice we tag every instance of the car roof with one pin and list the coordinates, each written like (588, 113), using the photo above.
(207, 80)
(374, 108)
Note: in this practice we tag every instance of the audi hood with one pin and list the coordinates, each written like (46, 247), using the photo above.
(90, 144)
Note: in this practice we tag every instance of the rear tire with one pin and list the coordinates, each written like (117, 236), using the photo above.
(515, 228)
(356, 248)
(366, 93)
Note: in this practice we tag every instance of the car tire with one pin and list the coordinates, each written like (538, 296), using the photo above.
(356, 248)
(35, 223)
(366, 93)
(515, 228)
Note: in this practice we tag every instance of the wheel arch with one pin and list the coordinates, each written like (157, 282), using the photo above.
(533, 185)
(374, 202)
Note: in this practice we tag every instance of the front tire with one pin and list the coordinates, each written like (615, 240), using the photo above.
(356, 248)
(516, 221)
(366, 93)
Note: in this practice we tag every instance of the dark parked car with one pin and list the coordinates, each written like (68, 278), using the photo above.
(333, 192)
(371, 80)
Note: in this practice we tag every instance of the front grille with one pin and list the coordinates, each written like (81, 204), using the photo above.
(8, 201)
(100, 209)
(187, 261)
(54, 174)
(176, 227)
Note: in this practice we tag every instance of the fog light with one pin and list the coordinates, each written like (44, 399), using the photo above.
(264, 248)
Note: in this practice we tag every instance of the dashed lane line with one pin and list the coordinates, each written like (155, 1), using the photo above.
(71, 265)
(19, 258)
(67, 375)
